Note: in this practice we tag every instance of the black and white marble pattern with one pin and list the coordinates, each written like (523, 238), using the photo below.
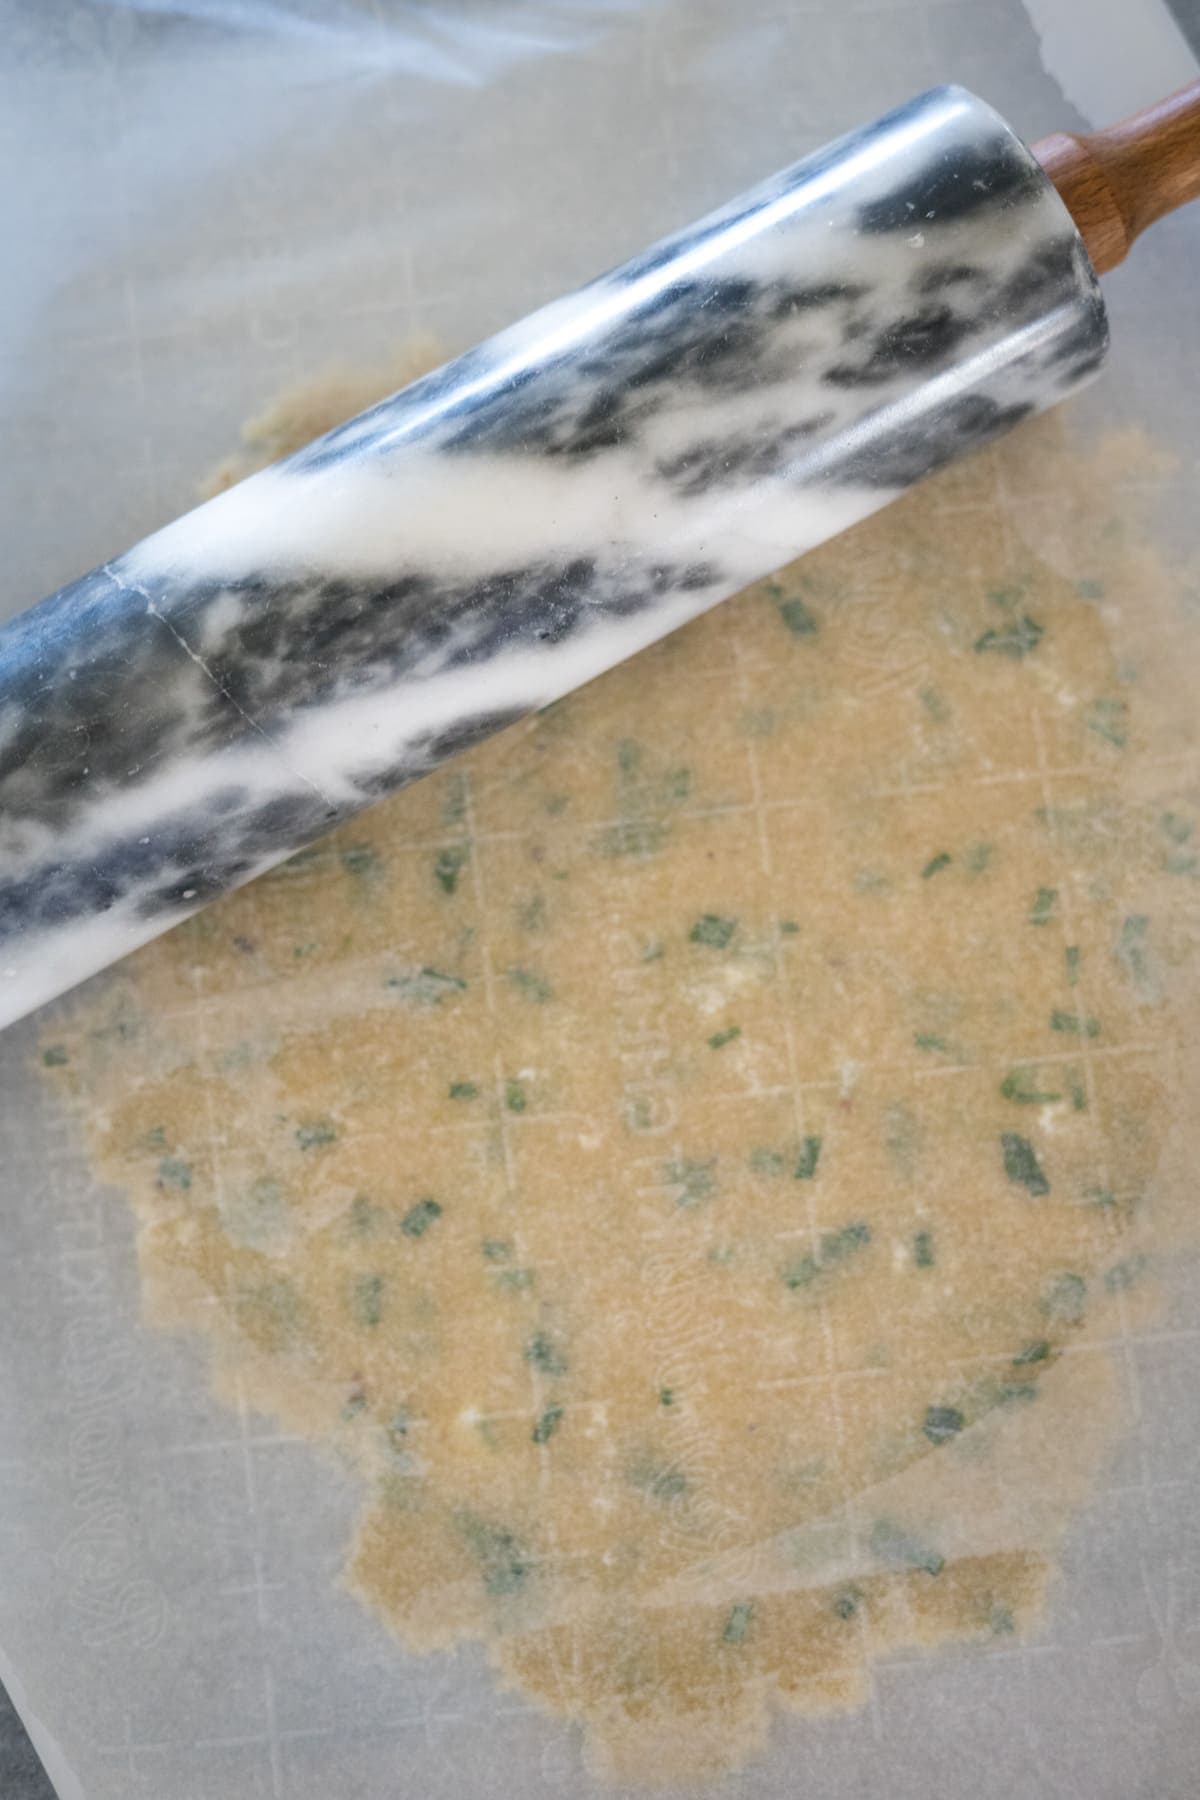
(518, 521)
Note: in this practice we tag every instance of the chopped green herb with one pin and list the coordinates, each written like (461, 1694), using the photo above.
(1021, 1164)
(900, 1549)
(463, 1090)
(419, 1218)
(738, 1623)
(1038, 1352)
(1073, 1024)
(934, 705)
(1015, 640)
(719, 1039)
(789, 928)
(1065, 1298)
(942, 1423)
(504, 1562)
(1176, 827)
(1019, 1086)
(1123, 1274)
(847, 1602)
(532, 985)
(174, 1172)
(542, 1353)
(449, 866)
(928, 1040)
(713, 930)
(1013, 1393)
(1045, 902)
(1079, 1099)
(514, 1097)
(497, 1249)
(978, 857)
(428, 987)
(368, 1299)
(360, 859)
(666, 1396)
(661, 1483)
(807, 1159)
(924, 1255)
(834, 1248)
(1131, 953)
(1107, 719)
(517, 1281)
(796, 616)
(547, 1424)
(936, 864)
(156, 1138)
(1071, 954)
(315, 1134)
(695, 1180)
(364, 1215)
(765, 1161)
(54, 1056)
(531, 914)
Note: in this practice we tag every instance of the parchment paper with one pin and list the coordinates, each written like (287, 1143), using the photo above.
(201, 204)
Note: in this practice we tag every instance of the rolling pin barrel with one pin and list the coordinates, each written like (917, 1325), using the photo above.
(201, 707)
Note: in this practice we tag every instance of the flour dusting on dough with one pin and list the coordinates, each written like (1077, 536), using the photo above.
(691, 1154)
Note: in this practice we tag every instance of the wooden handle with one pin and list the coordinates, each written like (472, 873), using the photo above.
(1116, 182)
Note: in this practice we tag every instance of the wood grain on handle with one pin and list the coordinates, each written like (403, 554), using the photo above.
(1116, 182)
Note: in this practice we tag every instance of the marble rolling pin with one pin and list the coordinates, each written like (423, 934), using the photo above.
(196, 710)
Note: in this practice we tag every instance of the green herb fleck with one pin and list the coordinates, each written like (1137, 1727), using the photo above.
(901, 1549)
(368, 1299)
(1019, 1086)
(833, 1248)
(1065, 1298)
(419, 1218)
(666, 1396)
(1037, 1352)
(1123, 1274)
(54, 1056)
(719, 1039)
(449, 866)
(174, 1172)
(714, 930)
(1108, 720)
(1071, 953)
(541, 1352)
(514, 1097)
(360, 859)
(1021, 1164)
(547, 1424)
(1176, 827)
(1132, 955)
(942, 1423)
(496, 1250)
(807, 1159)
(936, 864)
(978, 857)
(1014, 640)
(661, 1483)
(737, 1625)
(1044, 903)
(1073, 1024)
(463, 1090)
(928, 1040)
(924, 1255)
(847, 1602)
(796, 616)
(504, 1562)
(315, 1134)
(765, 1161)
(428, 987)
(695, 1180)
(532, 985)
(364, 1215)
